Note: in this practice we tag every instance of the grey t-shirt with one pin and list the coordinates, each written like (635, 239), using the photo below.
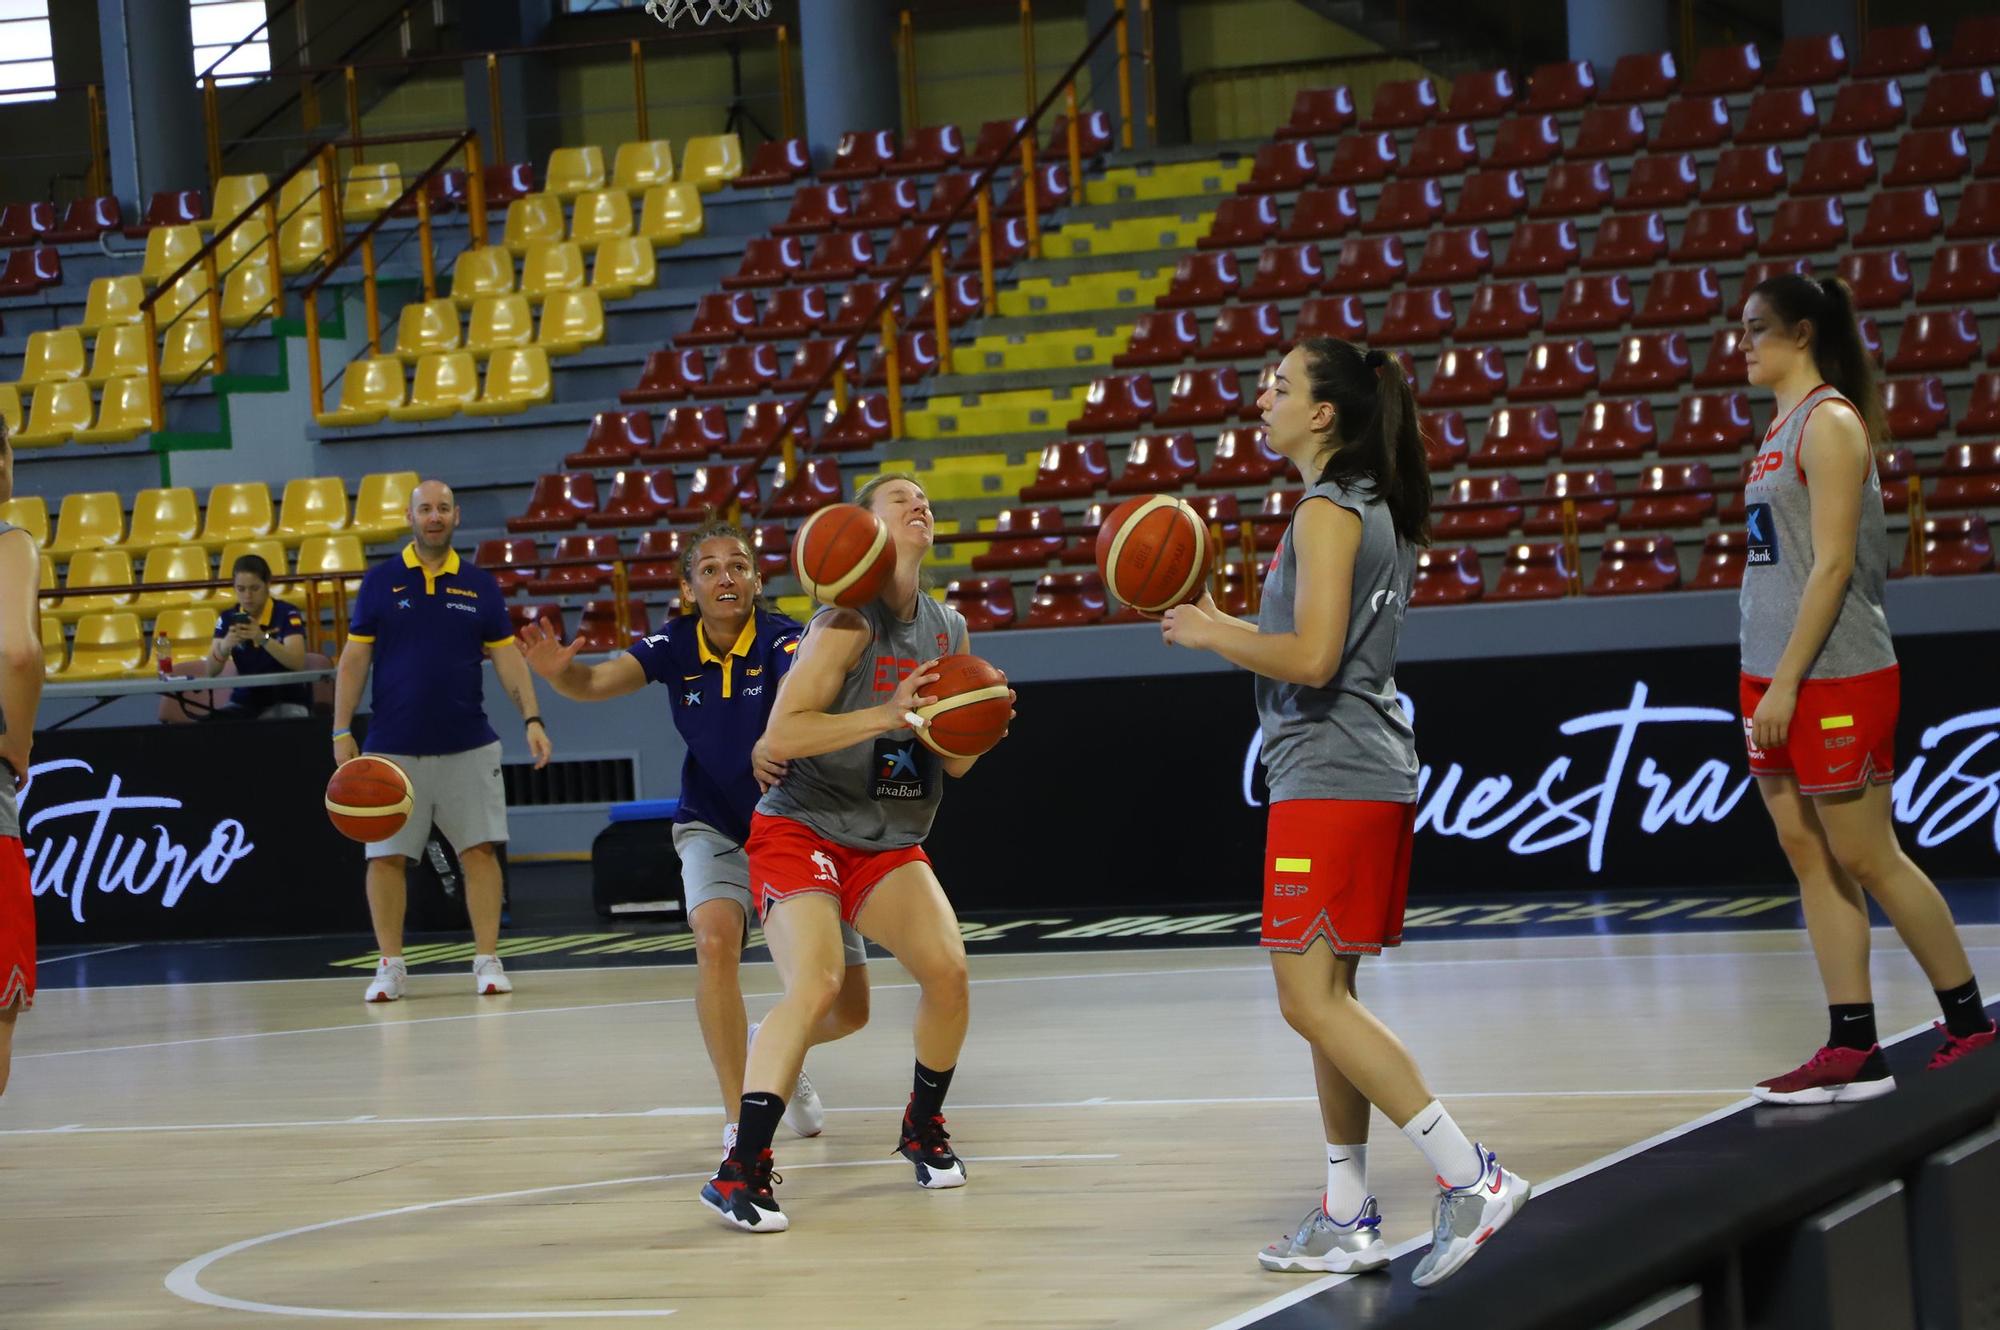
(10, 811)
(882, 794)
(1350, 739)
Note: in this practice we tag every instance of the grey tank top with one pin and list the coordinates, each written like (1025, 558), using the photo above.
(10, 811)
(1350, 739)
(882, 794)
(1778, 555)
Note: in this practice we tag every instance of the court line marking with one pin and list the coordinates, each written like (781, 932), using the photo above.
(184, 1280)
(705, 1110)
(79, 955)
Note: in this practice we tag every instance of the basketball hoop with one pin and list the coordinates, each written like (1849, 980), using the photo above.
(671, 12)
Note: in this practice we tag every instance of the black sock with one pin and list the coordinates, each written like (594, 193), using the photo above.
(1963, 1012)
(1851, 1025)
(756, 1123)
(927, 1092)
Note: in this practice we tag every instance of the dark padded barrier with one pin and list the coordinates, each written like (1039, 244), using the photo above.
(1954, 1231)
(1845, 1268)
(1678, 1310)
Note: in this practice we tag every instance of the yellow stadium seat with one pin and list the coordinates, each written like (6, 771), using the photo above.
(170, 564)
(189, 351)
(272, 552)
(55, 653)
(712, 162)
(125, 413)
(370, 388)
(167, 248)
(164, 517)
(10, 407)
(481, 272)
(96, 568)
(671, 213)
(189, 629)
(552, 268)
(312, 506)
(571, 320)
(30, 512)
(48, 582)
(371, 188)
(534, 220)
(112, 300)
(117, 351)
(92, 520)
(333, 554)
(53, 355)
(299, 196)
(623, 266)
(234, 193)
(188, 291)
(244, 245)
(302, 240)
(794, 606)
(637, 167)
(381, 504)
(58, 411)
(499, 321)
(516, 379)
(106, 646)
(574, 170)
(447, 382)
(425, 326)
(247, 295)
(237, 510)
(601, 215)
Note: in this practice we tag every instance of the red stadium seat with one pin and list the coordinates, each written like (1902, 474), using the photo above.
(1890, 51)
(1975, 43)
(598, 629)
(1643, 76)
(811, 485)
(1593, 304)
(1332, 316)
(1319, 113)
(1447, 576)
(1010, 246)
(1162, 337)
(1442, 150)
(511, 561)
(839, 256)
(520, 616)
(1880, 278)
(1628, 241)
(790, 313)
(1613, 431)
(1719, 70)
(1636, 565)
(1361, 158)
(857, 307)
(1562, 86)
(948, 191)
(880, 204)
(763, 423)
(1660, 506)
(1051, 191)
(1724, 367)
(1532, 572)
(84, 220)
(713, 488)
(567, 574)
(167, 207)
(1202, 279)
(1321, 214)
(558, 502)
(1070, 469)
(1065, 600)
(1836, 166)
(1755, 274)
(991, 143)
(1609, 131)
(1525, 140)
(1930, 157)
(931, 148)
(1454, 256)
(613, 439)
(656, 562)
(861, 152)
(1667, 180)
(815, 208)
(721, 316)
(1453, 519)
(1579, 487)
(1503, 310)
(1402, 104)
(507, 181)
(1649, 363)
(1982, 413)
(637, 498)
(1693, 122)
(1518, 436)
(1807, 226)
(863, 424)
(1466, 375)
(1116, 402)
(1277, 504)
(689, 434)
(1202, 397)
(1978, 212)
(1573, 189)
(1407, 205)
(1241, 222)
(1243, 457)
(1484, 94)
(1678, 296)
(1780, 115)
(1866, 108)
(1371, 263)
(1284, 271)
(1556, 370)
(776, 162)
(1416, 315)
(1029, 548)
(1915, 408)
(1962, 273)
(811, 363)
(1957, 97)
(1746, 173)
(1489, 196)
(906, 251)
(1893, 468)
(29, 269)
(1446, 443)
(987, 603)
(1971, 477)
(1954, 546)
(1810, 58)
(1937, 340)
(1245, 332)
(1540, 248)
(767, 261)
(1721, 566)
(1281, 167)
(1710, 423)
(740, 371)
(1093, 135)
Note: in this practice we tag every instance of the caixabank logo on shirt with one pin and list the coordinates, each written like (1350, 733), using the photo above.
(1760, 536)
(897, 772)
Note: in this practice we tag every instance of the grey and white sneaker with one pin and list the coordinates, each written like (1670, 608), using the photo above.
(489, 977)
(804, 1113)
(387, 985)
(1468, 1216)
(1325, 1246)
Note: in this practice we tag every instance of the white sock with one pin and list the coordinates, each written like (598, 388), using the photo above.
(1346, 1181)
(1456, 1160)
(728, 1137)
(394, 963)
(477, 959)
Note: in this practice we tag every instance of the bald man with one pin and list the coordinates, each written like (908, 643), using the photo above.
(423, 622)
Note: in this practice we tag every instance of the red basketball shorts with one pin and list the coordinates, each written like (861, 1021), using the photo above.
(789, 858)
(1338, 869)
(17, 926)
(1843, 734)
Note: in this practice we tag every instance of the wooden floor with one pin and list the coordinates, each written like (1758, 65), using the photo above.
(1139, 1123)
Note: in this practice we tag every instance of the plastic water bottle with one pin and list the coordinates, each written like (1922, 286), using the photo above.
(163, 654)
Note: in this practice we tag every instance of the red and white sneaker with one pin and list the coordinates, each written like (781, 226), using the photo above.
(1832, 1076)
(1953, 1048)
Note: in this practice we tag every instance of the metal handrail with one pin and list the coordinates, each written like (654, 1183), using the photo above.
(247, 38)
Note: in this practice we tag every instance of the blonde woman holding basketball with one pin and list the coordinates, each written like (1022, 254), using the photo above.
(840, 839)
(1342, 766)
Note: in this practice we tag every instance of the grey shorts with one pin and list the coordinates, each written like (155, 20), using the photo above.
(716, 868)
(459, 792)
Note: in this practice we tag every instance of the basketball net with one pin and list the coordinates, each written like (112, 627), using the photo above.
(671, 12)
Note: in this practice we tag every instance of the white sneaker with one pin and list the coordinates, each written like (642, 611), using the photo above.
(387, 986)
(1324, 1246)
(489, 977)
(1467, 1217)
(804, 1113)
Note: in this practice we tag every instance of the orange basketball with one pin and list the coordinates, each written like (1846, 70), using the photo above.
(1152, 552)
(843, 555)
(966, 708)
(368, 799)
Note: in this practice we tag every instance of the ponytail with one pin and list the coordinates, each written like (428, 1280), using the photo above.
(1837, 349)
(1375, 417)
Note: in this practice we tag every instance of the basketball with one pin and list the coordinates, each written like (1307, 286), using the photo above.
(843, 555)
(965, 709)
(368, 799)
(1152, 552)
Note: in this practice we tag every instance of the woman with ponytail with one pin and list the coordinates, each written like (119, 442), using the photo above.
(1820, 688)
(1342, 766)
